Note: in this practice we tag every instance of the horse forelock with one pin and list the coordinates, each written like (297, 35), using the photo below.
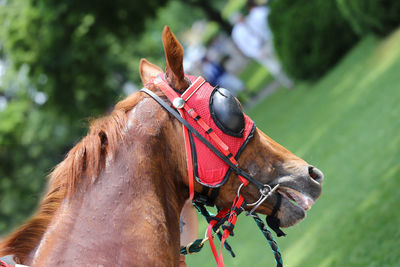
(84, 161)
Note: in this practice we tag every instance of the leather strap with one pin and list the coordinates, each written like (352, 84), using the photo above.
(221, 214)
(189, 161)
(273, 221)
(193, 88)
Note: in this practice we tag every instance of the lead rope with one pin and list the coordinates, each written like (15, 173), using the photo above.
(272, 243)
(197, 245)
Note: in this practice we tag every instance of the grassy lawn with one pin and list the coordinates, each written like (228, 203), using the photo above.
(348, 125)
(256, 78)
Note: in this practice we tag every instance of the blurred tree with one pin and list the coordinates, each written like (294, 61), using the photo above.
(309, 36)
(62, 64)
(212, 12)
(371, 16)
(69, 45)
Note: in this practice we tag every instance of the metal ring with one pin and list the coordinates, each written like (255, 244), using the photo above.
(255, 203)
(202, 241)
(206, 237)
(262, 199)
(240, 187)
(261, 196)
(188, 247)
(262, 191)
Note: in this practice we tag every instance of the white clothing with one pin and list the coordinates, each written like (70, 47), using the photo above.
(245, 40)
(253, 37)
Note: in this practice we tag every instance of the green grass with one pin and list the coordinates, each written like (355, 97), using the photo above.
(256, 78)
(348, 125)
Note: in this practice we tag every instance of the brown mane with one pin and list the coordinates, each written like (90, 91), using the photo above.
(85, 160)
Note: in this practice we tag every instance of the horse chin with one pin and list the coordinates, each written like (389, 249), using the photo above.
(290, 214)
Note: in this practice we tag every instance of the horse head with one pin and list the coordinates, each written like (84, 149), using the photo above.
(117, 196)
(263, 158)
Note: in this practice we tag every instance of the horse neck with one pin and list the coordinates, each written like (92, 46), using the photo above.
(128, 216)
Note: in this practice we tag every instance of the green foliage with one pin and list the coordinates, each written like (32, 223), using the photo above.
(371, 16)
(69, 46)
(309, 36)
(73, 52)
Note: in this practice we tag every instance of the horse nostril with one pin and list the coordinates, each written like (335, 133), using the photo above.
(316, 174)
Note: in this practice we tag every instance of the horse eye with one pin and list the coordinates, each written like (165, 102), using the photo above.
(227, 112)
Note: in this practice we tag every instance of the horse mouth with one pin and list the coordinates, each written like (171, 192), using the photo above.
(295, 197)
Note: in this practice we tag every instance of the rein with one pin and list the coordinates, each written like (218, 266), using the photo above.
(224, 215)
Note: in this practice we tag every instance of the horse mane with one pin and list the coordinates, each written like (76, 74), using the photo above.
(85, 160)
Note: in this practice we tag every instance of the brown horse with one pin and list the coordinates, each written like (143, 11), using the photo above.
(116, 198)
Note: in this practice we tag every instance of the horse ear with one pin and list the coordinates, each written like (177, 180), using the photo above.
(148, 70)
(174, 56)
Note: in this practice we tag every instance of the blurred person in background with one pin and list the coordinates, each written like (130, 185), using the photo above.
(252, 36)
(215, 74)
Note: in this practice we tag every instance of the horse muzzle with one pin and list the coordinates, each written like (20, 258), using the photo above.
(297, 193)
